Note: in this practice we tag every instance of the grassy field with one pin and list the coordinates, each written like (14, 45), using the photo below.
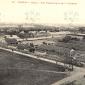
(62, 49)
(21, 70)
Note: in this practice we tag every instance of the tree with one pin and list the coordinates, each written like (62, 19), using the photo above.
(32, 48)
(81, 30)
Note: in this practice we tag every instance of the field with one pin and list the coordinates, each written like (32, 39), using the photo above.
(21, 70)
(62, 49)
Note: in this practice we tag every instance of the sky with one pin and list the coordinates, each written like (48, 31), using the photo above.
(42, 11)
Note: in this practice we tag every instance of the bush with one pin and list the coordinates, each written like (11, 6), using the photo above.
(32, 49)
(84, 37)
(76, 39)
(66, 39)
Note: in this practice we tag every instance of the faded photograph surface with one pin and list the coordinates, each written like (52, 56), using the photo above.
(42, 42)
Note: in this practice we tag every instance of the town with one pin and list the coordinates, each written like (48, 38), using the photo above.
(42, 55)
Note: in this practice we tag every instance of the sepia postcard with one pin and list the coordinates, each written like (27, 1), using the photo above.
(42, 42)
